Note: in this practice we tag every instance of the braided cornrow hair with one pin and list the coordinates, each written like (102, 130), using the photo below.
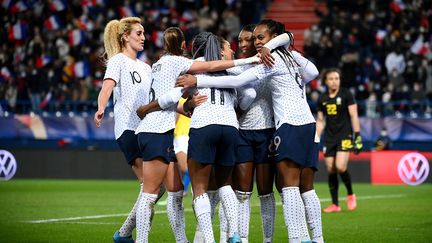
(278, 28)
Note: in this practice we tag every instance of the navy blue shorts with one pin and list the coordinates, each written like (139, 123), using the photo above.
(296, 143)
(213, 144)
(128, 144)
(253, 146)
(157, 145)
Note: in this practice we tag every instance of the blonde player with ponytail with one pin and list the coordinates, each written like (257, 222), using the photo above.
(129, 79)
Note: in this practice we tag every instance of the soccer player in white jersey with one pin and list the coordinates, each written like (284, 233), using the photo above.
(155, 135)
(295, 145)
(256, 130)
(213, 142)
(130, 79)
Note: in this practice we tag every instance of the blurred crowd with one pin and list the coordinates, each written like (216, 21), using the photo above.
(51, 53)
(52, 56)
(383, 49)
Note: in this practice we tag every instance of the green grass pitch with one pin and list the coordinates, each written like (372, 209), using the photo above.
(92, 210)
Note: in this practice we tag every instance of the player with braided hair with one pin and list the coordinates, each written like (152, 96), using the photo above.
(295, 145)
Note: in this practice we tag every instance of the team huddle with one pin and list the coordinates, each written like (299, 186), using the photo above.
(249, 118)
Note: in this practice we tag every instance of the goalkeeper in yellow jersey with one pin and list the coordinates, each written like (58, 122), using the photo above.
(181, 140)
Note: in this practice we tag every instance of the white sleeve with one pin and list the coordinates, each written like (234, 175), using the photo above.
(226, 81)
(280, 40)
(246, 96)
(170, 98)
(307, 69)
(245, 61)
(182, 63)
(113, 70)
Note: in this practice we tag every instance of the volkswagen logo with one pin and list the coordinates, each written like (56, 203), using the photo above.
(8, 165)
(413, 169)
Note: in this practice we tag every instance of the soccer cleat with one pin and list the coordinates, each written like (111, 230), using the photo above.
(332, 209)
(235, 238)
(119, 239)
(352, 202)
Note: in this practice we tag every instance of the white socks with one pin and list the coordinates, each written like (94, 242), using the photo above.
(243, 213)
(268, 216)
(214, 200)
(230, 206)
(313, 215)
(223, 225)
(202, 210)
(144, 216)
(294, 215)
(129, 224)
(175, 213)
(198, 237)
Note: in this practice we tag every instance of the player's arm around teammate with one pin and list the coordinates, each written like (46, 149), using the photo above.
(256, 130)
(294, 141)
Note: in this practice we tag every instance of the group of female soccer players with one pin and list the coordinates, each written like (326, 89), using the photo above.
(274, 136)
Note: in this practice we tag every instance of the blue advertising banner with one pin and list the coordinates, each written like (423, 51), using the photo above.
(83, 128)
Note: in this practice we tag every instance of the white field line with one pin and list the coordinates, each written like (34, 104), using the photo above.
(42, 221)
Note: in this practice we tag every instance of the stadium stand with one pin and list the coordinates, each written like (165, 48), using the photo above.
(383, 49)
(50, 53)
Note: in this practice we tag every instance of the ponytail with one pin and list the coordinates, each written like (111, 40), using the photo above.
(113, 34)
(173, 38)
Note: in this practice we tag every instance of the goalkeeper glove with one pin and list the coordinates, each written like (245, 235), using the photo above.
(358, 143)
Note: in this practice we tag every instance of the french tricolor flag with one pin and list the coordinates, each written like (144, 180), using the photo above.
(46, 100)
(154, 14)
(126, 11)
(52, 23)
(42, 61)
(85, 23)
(92, 3)
(380, 35)
(397, 6)
(5, 73)
(76, 37)
(420, 47)
(157, 38)
(81, 69)
(18, 31)
(18, 7)
(57, 5)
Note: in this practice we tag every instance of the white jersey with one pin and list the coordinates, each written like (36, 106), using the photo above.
(288, 92)
(165, 72)
(132, 79)
(259, 115)
(218, 109)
